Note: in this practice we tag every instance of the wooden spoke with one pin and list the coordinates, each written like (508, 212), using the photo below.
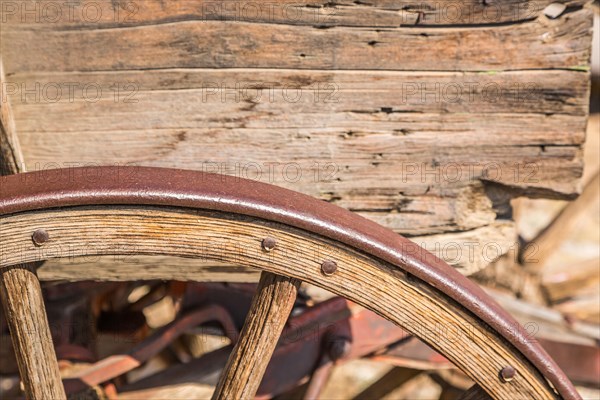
(270, 309)
(28, 324)
(22, 295)
(475, 393)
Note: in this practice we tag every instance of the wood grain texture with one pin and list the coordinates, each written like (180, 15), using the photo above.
(26, 316)
(366, 281)
(121, 268)
(11, 157)
(407, 169)
(539, 43)
(271, 306)
(321, 13)
(394, 96)
(468, 251)
(382, 129)
(21, 293)
(234, 90)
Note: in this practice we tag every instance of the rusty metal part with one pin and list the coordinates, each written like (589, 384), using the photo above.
(304, 345)
(114, 366)
(193, 189)
(176, 291)
(40, 237)
(580, 362)
(299, 352)
(302, 349)
(74, 353)
(328, 267)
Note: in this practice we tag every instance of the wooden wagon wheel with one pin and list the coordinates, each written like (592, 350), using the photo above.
(291, 238)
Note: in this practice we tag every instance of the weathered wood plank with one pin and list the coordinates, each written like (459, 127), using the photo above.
(110, 268)
(538, 44)
(305, 92)
(383, 147)
(323, 13)
(471, 251)
(371, 132)
(11, 157)
(585, 306)
(326, 163)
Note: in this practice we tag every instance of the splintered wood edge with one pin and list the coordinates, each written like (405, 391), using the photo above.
(381, 287)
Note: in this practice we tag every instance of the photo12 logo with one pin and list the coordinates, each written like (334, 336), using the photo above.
(69, 11)
(249, 11)
(471, 12)
(54, 92)
(269, 92)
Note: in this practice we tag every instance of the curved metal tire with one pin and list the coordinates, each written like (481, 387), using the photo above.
(99, 211)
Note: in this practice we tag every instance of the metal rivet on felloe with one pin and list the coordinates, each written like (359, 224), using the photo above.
(40, 237)
(268, 243)
(328, 267)
(507, 374)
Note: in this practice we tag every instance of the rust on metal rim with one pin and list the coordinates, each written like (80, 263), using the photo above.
(193, 189)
